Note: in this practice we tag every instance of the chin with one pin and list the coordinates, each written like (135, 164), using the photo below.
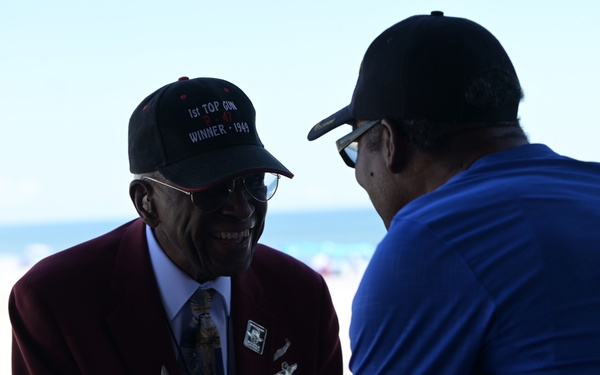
(385, 215)
(235, 270)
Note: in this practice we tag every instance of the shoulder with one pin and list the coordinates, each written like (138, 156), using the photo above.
(272, 266)
(84, 261)
(272, 260)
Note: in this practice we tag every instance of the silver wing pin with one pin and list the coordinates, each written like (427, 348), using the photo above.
(281, 351)
(287, 369)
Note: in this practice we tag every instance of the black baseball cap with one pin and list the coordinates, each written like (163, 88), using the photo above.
(197, 133)
(420, 68)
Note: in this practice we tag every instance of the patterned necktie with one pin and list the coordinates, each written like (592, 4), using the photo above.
(200, 343)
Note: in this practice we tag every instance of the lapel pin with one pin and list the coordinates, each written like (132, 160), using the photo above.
(255, 337)
(287, 369)
(281, 351)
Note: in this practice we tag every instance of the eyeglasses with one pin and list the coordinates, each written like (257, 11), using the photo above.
(348, 145)
(259, 186)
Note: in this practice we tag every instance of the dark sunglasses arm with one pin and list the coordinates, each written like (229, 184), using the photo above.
(343, 142)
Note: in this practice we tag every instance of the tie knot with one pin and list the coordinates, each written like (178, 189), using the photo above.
(201, 300)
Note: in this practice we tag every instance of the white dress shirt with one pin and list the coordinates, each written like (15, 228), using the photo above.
(176, 288)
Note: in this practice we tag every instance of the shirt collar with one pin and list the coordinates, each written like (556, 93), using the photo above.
(175, 286)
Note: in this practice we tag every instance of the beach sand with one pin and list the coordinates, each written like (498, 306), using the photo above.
(341, 286)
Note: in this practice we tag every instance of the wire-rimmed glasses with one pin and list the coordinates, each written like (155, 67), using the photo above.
(259, 186)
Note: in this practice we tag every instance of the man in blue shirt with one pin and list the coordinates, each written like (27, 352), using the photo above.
(491, 264)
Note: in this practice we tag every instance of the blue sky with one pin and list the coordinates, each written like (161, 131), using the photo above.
(73, 71)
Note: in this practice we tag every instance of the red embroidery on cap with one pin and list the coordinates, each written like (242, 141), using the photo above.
(183, 97)
(145, 107)
(225, 89)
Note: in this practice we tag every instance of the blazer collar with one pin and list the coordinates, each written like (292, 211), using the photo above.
(138, 323)
(248, 307)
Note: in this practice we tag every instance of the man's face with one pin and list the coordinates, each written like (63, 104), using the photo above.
(206, 245)
(371, 173)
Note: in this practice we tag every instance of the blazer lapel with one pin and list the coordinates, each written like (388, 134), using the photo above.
(249, 319)
(138, 323)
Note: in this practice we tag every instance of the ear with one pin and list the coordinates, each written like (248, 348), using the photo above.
(141, 193)
(395, 149)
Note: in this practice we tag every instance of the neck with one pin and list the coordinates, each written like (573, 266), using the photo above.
(468, 148)
(435, 170)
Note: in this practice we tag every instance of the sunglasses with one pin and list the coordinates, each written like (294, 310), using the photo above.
(347, 146)
(259, 186)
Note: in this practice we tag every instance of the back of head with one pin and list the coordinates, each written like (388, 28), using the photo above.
(434, 68)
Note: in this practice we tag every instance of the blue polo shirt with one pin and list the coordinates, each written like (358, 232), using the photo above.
(495, 272)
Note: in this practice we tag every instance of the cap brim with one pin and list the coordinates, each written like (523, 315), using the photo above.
(213, 167)
(341, 117)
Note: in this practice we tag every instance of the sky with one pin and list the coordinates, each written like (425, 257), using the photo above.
(72, 73)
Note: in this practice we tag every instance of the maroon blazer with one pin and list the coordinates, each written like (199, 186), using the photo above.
(96, 309)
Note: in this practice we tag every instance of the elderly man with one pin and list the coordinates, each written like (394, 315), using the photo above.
(492, 257)
(185, 288)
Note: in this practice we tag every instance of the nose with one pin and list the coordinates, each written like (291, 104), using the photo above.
(239, 204)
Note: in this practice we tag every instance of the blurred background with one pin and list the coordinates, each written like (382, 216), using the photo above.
(72, 72)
